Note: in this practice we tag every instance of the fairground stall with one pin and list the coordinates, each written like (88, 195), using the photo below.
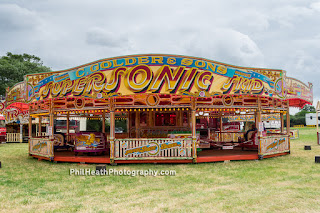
(16, 114)
(171, 109)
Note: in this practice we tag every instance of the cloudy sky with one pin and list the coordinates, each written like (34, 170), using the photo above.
(282, 34)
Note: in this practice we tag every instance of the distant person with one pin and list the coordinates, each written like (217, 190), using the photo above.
(250, 131)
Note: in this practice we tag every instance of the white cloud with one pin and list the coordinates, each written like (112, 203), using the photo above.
(316, 6)
(267, 33)
(14, 17)
(98, 36)
(225, 45)
(289, 15)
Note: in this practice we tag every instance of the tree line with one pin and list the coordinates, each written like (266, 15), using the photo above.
(14, 66)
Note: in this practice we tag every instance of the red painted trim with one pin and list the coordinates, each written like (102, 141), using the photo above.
(40, 157)
(161, 55)
(84, 159)
(153, 161)
(204, 159)
(297, 102)
(275, 155)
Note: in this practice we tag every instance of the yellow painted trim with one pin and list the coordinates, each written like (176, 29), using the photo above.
(40, 114)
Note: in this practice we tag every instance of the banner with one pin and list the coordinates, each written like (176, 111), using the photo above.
(153, 74)
(41, 147)
(295, 89)
(154, 148)
(14, 115)
(16, 94)
(16, 112)
(274, 145)
(244, 118)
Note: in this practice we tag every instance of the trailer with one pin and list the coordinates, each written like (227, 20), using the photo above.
(311, 119)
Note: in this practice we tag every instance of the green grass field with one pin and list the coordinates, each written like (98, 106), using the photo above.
(290, 183)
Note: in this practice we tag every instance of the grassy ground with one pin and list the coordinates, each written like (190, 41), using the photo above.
(289, 183)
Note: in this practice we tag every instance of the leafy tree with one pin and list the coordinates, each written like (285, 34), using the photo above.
(306, 109)
(14, 66)
(309, 108)
(300, 117)
(121, 124)
(94, 125)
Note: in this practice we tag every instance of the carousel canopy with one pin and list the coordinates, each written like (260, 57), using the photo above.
(162, 74)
